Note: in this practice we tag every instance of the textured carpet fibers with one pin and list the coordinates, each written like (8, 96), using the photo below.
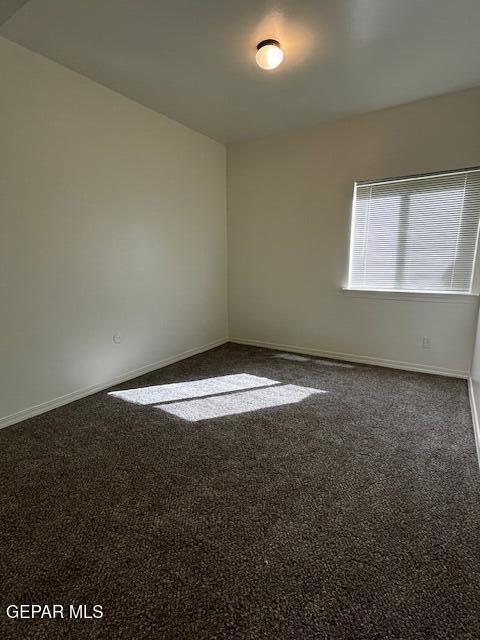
(239, 494)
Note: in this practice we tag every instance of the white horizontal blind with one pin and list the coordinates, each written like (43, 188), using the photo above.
(416, 234)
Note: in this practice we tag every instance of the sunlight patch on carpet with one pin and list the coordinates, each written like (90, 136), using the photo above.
(192, 389)
(216, 397)
(239, 402)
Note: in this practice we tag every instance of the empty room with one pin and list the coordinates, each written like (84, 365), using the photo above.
(239, 299)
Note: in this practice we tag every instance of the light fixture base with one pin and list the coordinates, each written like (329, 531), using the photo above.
(264, 43)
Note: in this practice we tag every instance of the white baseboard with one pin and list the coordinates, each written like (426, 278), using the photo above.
(476, 425)
(30, 412)
(350, 357)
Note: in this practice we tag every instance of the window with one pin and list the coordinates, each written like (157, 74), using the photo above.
(416, 234)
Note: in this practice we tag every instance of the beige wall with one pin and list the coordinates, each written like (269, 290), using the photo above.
(112, 219)
(289, 201)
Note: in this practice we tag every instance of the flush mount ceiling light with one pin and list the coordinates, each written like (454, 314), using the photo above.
(269, 54)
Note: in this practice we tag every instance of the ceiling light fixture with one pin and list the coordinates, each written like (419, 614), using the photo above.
(269, 54)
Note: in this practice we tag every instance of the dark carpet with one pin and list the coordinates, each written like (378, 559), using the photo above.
(352, 513)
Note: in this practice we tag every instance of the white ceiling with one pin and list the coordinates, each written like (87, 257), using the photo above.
(194, 60)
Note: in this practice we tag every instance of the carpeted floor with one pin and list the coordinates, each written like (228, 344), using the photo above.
(273, 497)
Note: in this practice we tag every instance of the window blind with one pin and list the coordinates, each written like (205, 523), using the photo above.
(416, 234)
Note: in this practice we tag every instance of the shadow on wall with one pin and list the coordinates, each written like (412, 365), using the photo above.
(216, 397)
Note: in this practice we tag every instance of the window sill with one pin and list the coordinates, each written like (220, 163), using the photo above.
(415, 296)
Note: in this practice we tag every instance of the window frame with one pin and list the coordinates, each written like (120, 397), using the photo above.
(398, 294)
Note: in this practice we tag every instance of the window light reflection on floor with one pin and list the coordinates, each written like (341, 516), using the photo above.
(216, 397)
